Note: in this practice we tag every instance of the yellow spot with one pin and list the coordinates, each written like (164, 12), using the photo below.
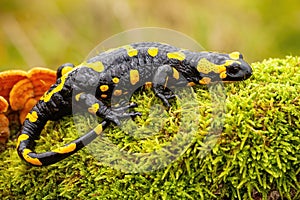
(65, 149)
(97, 66)
(21, 138)
(130, 50)
(104, 88)
(103, 96)
(134, 76)
(34, 161)
(94, 108)
(98, 129)
(66, 70)
(222, 69)
(205, 80)
(47, 96)
(176, 55)
(234, 55)
(175, 73)
(32, 117)
(115, 80)
(118, 92)
(190, 84)
(230, 62)
(223, 75)
(153, 51)
(148, 85)
(205, 66)
(77, 96)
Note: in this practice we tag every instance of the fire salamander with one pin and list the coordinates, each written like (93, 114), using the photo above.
(113, 74)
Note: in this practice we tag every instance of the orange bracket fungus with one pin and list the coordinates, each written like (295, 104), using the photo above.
(20, 91)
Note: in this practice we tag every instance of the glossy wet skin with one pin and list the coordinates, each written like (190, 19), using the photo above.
(115, 73)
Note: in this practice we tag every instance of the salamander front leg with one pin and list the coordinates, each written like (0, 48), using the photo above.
(160, 82)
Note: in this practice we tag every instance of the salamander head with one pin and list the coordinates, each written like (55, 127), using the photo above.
(223, 67)
(237, 69)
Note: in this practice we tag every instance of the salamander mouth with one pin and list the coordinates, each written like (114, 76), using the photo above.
(237, 78)
(247, 76)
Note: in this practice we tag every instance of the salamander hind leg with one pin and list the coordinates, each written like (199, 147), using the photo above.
(98, 108)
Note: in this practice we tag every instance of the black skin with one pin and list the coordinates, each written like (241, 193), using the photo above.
(118, 64)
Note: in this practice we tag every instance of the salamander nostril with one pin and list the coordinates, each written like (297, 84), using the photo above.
(248, 74)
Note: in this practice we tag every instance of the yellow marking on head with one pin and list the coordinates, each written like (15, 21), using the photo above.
(117, 93)
(104, 88)
(223, 75)
(176, 55)
(77, 96)
(66, 70)
(205, 66)
(115, 80)
(205, 80)
(21, 138)
(230, 62)
(34, 161)
(234, 55)
(94, 108)
(148, 85)
(65, 149)
(153, 51)
(32, 117)
(47, 96)
(130, 50)
(103, 96)
(134, 76)
(190, 84)
(221, 69)
(97, 66)
(98, 129)
(175, 73)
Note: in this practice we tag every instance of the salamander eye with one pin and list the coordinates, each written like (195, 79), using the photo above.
(234, 69)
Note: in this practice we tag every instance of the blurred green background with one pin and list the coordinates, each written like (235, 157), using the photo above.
(49, 33)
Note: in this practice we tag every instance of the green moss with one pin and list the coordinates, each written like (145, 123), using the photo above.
(256, 155)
